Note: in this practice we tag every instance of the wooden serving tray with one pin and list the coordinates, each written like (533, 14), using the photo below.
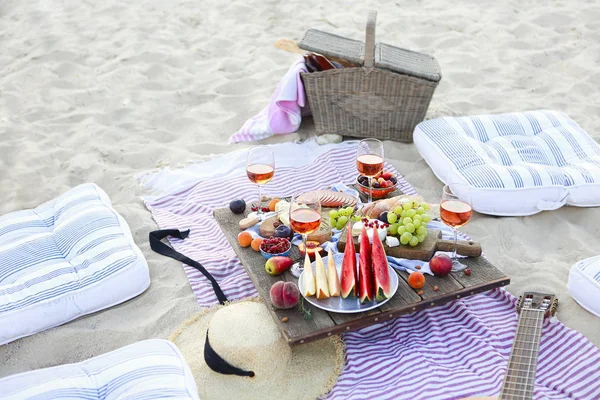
(298, 330)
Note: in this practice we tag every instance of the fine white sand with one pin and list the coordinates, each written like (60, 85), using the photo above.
(100, 91)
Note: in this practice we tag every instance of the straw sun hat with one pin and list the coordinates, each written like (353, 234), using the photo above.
(253, 359)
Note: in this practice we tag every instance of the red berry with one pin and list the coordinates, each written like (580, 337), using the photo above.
(468, 271)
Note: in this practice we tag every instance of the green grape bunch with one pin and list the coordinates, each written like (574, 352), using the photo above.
(340, 217)
(409, 222)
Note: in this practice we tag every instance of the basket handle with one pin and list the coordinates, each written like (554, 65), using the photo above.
(370, 40)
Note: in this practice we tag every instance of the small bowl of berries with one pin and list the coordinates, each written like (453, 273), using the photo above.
(275, 246)
(384, 183)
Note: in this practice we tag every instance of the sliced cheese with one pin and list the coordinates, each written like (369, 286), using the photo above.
(282, 208)
(322, 286)
(308, 279)
(335, 288)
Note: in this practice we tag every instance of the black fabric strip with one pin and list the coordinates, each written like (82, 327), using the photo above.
(218, 364)
(161, 248)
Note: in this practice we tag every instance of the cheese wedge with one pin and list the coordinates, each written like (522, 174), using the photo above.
(332, 276)
(322, 287)
(308, 279)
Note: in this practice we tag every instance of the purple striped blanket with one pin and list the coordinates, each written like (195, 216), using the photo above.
(448, 352)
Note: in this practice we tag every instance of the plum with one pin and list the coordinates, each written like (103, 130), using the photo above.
(284, 294)
(283, 231)
(383, 217)
(237, 206)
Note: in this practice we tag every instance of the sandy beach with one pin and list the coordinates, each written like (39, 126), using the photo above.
(102, 91)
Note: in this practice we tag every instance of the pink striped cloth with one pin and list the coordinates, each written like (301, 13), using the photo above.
(448, 352)
(283, 114)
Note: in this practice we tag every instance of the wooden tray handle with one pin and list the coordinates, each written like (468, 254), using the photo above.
(463, 247)
(370, 40)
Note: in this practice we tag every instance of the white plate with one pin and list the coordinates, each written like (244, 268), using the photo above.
(349, 305)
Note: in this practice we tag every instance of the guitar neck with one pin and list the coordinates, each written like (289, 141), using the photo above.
(520, 374)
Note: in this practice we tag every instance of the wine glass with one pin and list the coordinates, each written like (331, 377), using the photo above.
(369, 160)
(260, 168)
(456, 211)
(305, 218)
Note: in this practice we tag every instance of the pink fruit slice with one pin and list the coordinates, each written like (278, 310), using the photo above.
(381, 269)
(365, 270)
(349, 279)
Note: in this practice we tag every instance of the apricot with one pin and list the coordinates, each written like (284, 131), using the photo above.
(416, 280)
(245, 239)
(256, 244)
(272, 204)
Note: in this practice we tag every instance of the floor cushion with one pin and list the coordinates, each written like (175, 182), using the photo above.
(69, 257)
(584, 284)
(515, 164)
(145, 370)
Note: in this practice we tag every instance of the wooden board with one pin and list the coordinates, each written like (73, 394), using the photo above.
(423, 251)
(324, 324)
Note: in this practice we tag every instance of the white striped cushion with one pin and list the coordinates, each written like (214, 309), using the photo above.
(584, 284)
(69, 257)
(146, 370)
(517, 163)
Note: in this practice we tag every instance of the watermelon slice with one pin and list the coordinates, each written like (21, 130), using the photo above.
(365, 270)
(349, 278)
(381, 269)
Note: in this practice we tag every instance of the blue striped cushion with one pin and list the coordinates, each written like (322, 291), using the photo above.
(69, 257)
(538, 159)
(151, 369)
(584, 284)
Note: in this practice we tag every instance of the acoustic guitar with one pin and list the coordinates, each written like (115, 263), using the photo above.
(519, 380)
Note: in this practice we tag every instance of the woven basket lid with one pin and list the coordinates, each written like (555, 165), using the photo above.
(386, 56)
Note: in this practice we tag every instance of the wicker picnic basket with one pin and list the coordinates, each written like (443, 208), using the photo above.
(385, 97)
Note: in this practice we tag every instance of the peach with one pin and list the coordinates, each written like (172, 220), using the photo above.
(440, 265)
(416, 280)
(284, 294)
(313, 247)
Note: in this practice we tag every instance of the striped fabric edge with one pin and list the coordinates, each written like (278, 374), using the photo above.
(145, 370)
